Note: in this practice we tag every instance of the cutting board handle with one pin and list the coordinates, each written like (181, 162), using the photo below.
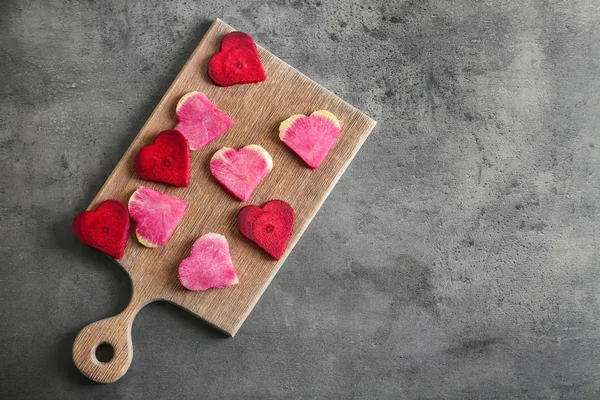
(116, 332)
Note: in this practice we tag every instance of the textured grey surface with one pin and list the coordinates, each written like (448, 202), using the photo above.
(455, 259)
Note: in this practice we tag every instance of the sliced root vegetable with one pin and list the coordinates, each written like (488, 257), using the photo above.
(209, 265)
(156, 214)
(105, 229)
(199, 120)
(236, 62)
(166, 160)
(311, 137)
(269, 226)
(240, 171)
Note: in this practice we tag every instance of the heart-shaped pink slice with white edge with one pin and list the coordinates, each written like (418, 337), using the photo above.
(199, 120)
(240, 171)
(311, 137)
(156, 214)
(209, 265)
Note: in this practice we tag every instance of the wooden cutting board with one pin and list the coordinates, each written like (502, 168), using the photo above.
(257, 110)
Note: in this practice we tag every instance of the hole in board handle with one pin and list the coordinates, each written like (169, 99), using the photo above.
(104, 352)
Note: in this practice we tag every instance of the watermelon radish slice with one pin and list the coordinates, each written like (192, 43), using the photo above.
(269, 226)
(156, 215)
(236, 62)
(105, 229)
(166, 160)
(240, 171)
(311, 137)
(209, 265)
(199, 120)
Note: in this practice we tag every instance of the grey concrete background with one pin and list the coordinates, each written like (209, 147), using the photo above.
(456, 258)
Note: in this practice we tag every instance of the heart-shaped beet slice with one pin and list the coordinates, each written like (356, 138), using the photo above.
(237, 62)
(240, 171)
(105, 229)
(209, 264)
(269, 226)
(199, 120)
(166, 160)
(311, 137)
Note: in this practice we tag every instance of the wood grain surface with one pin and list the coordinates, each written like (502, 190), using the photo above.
(257, 110)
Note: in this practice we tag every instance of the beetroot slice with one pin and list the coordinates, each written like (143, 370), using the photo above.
(269, 226)
(237, 62)
(209, 265)
(166, 160)
(199, 120)
(156, 214)
(249, 214)
(240, 171)
(105, 229)
(311, 137)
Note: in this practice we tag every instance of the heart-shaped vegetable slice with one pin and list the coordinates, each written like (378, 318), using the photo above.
(156, 214)
(105, 229)
(166, 160)
(311, 137)
(269, 226)
(237, 61)
(240, 171)
(199, 120)
(209, 265)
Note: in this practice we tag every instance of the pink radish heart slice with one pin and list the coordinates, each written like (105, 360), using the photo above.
(209, 265)
(156, 214)
(240, 171)
(311, 137)
(199, 120)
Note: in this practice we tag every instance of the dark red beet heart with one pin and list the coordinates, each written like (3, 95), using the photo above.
(236, 62)
(269, 226)
(166, 160)
(106, 229)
